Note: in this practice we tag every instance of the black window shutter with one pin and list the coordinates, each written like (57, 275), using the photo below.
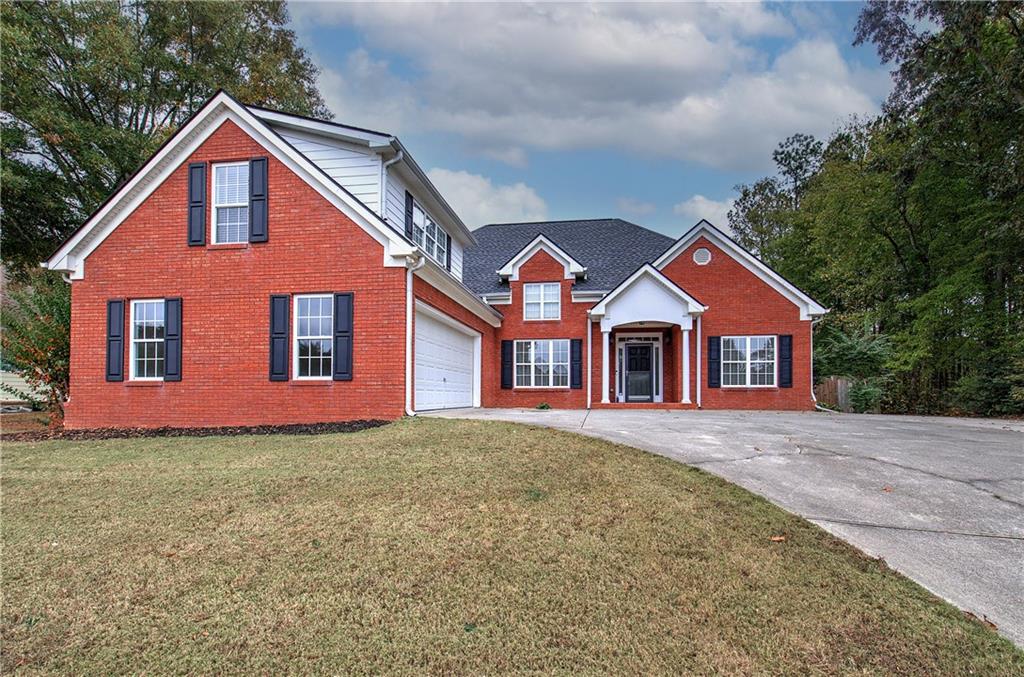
(197, 204)
(172, 339)
(448, 252)
(786, 361)
(115, 340)
(714, 361)
(343, 337)
(506, 364)
(576, 364)
(279, 315)
(408, 214)
(258, 199)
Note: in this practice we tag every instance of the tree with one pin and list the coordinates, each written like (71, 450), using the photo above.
(91, 89)
(798, 158)
(34, 336)
(757, 216)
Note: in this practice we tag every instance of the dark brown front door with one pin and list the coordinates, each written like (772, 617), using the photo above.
(639, 379)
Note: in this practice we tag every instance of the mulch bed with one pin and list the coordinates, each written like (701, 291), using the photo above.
(125, 433)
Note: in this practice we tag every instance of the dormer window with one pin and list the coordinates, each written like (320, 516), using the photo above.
(429, 236)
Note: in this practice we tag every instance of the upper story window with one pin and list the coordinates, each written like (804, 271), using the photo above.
(314, 333)
(231, 202)
(748, 361)
(542, 301)
(429, 236)
(147, 354)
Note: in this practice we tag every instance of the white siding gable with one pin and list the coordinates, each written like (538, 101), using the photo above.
(357, 169)
(394, 214)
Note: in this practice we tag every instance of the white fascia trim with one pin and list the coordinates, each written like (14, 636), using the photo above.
(587, 296)
(809, 308)
(693, 305)
(71, 256)
(443, 281)
(573, 268)
(498, 299)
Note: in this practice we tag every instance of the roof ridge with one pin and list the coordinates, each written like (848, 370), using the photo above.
(534, 223)
(320, 120)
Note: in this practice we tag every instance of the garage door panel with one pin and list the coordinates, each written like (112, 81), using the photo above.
(444, 365)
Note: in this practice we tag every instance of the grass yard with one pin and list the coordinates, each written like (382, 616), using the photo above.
(438, 546)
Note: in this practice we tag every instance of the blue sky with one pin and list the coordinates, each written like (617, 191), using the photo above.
(647, 112)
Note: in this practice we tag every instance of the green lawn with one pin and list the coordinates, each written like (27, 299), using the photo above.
(438, 546)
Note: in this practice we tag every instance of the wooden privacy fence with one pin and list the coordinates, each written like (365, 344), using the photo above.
(834, 393)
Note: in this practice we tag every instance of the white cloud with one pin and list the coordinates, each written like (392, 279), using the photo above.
(634, 207)
(699, 207)
(685, 80)
(514, 156)
(479, 202)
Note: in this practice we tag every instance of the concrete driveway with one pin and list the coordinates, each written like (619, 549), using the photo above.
(939, 499)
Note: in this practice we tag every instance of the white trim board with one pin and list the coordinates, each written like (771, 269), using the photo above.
(572, 268)
(809, 308)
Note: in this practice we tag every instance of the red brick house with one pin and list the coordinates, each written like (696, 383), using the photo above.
(266, 268)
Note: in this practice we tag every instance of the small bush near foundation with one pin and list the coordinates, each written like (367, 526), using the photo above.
(544, 406)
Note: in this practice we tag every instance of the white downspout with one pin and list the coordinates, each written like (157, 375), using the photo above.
(384, 183)
(413, 263)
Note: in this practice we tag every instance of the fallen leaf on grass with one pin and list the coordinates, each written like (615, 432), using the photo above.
(778, 539)
(887, 489)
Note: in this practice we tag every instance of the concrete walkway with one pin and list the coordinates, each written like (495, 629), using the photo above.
(939, 499)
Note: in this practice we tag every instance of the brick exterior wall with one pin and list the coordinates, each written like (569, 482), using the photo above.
(225, 294)
(740, 303)
(541, 267)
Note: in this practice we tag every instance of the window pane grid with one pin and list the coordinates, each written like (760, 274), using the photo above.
(431, 238)
(542, 364)
(542, 301)
(748, 360)
(231, 203)
(148, 339)
(314, 336)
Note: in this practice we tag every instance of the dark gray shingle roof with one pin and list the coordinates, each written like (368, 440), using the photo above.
(610, 249)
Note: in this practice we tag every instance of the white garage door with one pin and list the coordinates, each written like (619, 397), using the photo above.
(444, 365)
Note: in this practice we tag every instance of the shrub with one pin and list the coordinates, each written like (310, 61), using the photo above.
(544, 406)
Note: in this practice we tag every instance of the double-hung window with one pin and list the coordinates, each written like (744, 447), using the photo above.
(542, 301)
(314, 336)
(748, 361)
(147, 349)
(429, 236)
(231, 202)
(542, 364)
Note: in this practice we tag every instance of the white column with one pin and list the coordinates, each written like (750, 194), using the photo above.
(686, 366)
(604, 366)
(700, 343)
(590, 361)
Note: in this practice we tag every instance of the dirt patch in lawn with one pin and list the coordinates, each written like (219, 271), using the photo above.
(439, 547)
(126, 433)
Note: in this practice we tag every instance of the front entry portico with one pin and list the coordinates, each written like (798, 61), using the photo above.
(637, 322)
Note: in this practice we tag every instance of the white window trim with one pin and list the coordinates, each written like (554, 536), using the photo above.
(558, 298)
(132, 340)
(213, 200)
(441, 231)
(532, 363)
(295, 338)
(775, 360)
